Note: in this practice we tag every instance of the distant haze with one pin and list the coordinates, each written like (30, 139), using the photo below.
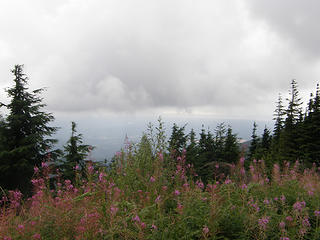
(108, 134)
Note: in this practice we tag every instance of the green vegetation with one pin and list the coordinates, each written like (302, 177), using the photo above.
(181, 187)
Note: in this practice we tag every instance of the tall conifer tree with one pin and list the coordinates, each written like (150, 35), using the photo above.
(25, 134)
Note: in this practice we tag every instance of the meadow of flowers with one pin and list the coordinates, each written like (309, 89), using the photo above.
(148, 195)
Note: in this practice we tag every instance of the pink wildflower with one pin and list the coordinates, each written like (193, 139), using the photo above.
(114, 210)
(143, 225)
(282, 224)
(244, 186)
(227, 181)
(176, 192)
(136, 219)
(205, 230)
(289, 218)
(21, 227)
(36, 236)
(36, 169)
(263, 222)
(157, 199)
(200, 184)
(152, 179)
(317, 213)
(154, 227)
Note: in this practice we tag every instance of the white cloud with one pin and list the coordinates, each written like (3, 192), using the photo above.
(203, 57)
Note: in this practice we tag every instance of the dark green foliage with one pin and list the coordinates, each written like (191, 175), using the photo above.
(231, 147)
(192, 148)
(254, 142)
(75, 154)
(289, 139)
(24, 134)
(177, 141)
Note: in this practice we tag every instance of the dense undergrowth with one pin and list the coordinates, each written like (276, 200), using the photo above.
(148, 195)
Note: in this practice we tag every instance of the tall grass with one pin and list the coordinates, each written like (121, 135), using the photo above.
(147, 195)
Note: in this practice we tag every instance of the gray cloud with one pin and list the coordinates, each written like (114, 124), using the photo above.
(210, 57)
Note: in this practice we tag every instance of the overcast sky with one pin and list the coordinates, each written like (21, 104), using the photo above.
(225, 59)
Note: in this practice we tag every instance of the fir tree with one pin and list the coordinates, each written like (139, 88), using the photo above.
(25, 134)
(310, 146)
(254, 142)
(219, 148)
(192, 148)
(231, 147)
(279, 114)
(290, 136)
(75, 154)
(177, 141)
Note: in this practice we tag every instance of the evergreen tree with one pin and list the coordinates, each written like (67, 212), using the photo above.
(177, 141)
(220, 138)
(75, 154)
(254, 142)
(290, 138)
(231, 147)
(279, 114)
(310, 146)
(25, 134)
(192, 148)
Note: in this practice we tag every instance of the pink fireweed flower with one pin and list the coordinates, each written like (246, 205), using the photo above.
(282, 225)
(154, 227)
(136, 219)
(242, 160)
(244, 186)
(44, 165)
(101, 177)
(152, 179)
(36, 170)
(36, 236)
(77, 167)
(90, 169)
(164, 188)
(298, 206)
(266, 201)
(143, 225)
(284, 238)
(180, 207)
(263, 222)
(176, 192)
(217, 166)
(283, 198)
(289, 218)
(311, 193)
(305, 222)
(227, 181)
(160, 155)
(157, 199)
(317, 213)
(20, 227)
(205, 230)
(113, 210)
(200, 184)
